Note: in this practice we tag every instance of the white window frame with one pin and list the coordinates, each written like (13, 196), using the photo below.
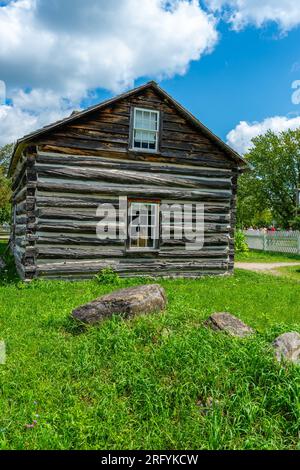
(156, 132)
(155, 226)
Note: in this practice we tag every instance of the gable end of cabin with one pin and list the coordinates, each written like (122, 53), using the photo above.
(139, 154)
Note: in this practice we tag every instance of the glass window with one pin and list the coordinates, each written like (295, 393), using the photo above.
(145, 129)
(143, 226)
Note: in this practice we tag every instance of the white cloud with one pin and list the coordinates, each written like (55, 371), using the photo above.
(12, 122)
(240, 137)
(286, 13)
(60, 50)
(16, 122)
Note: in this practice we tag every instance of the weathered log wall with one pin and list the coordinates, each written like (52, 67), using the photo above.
(23, 217)
(88, 162)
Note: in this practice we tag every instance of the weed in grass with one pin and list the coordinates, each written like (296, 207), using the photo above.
(108, 276)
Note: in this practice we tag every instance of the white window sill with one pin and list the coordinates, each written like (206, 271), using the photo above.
(137, 150)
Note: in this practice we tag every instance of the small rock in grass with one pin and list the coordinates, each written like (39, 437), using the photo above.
(127, 302)
(207, 405)
(223, 321)
(287, 347)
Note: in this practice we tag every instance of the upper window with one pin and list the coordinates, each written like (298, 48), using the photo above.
(145, 129)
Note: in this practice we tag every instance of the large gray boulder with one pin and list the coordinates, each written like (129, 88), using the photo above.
(287, 347)
(127, 302)
(224, 321)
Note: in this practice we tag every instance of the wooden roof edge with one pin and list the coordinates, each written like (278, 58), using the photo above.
(21, 143)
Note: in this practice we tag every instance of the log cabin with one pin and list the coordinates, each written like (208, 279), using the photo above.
(132, 156)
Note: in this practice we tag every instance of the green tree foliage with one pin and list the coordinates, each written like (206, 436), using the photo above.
(5, 154)
(269, 190)
(5, 183)
(240, 243)
(5, 194)
(295, 223)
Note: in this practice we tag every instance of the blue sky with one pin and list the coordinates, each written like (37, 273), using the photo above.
(232, 63)
(247, 77)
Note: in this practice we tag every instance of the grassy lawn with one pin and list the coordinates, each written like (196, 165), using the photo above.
(293, 272)
(256, 256)
(161, 381)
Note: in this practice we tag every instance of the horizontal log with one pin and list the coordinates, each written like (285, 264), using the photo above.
(66, 252)
(215, 239)
(20, 240)
(21, 208)
(177, 194)
(85, 144)
(105, 127)
(127, 177)
(168, 275)
(170, 233)
(87, 227)
(55, 238)
(203, 159)
(21, 219)
(133, 266)
(77, 215)
(110, 163)
(89, 214)
(84, 201)
(58, 253)
(95, 134)
(68, 226)
(20, 229)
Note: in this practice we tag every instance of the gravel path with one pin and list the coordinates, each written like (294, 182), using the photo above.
(270, 268)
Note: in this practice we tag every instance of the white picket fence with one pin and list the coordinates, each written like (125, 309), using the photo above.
(279, 241)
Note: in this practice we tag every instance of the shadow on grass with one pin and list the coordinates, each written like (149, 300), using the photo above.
(8, 274)
(74, 327)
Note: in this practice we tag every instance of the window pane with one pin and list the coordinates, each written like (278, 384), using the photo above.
(153, 121)
(153, 125)
(151, 137)
(139, 123)
(144, 139)
(147, 120)
(144, 136)
(138, 135)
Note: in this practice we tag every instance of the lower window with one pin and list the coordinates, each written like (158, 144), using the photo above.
(143, 225)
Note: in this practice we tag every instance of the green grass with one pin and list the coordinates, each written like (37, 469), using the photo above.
(255, 256)
(160, 381)
(292, 272)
